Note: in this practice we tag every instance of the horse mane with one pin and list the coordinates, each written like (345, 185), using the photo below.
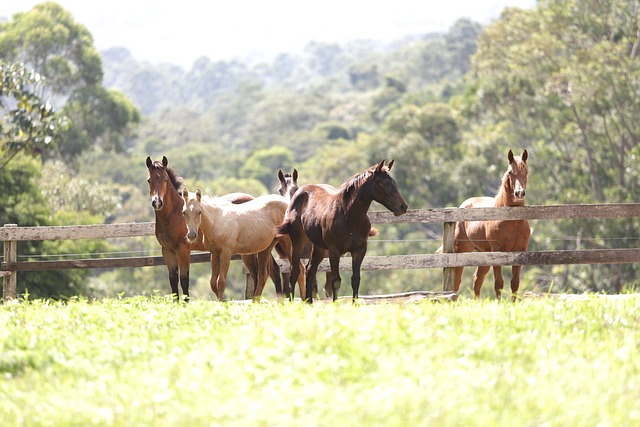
(354, 183)
(351, 186)
(176, 180)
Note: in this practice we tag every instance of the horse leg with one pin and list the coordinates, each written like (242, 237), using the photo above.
(171, 260)
(224, 262)
(301, 282)
(184, 262)
(215, 272)
(317, 255)
(499, 281)
(336, 279)
(250, 263)
(274, 273)
(478, 279)
(264, 258)
(328, 285)
(515, 280)
(356, 261)
(297, 245)
(284, 254)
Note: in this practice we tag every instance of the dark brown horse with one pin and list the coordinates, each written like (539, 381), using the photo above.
(171, 231)
(496, 236)
(337, 222)
(288, 187)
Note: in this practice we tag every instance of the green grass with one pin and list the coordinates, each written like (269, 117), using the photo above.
(149, 362)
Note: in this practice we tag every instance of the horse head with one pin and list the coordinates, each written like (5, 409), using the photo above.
(516, 176)
(158, 180)
(386, 191)
(192, 212)
(288, 184)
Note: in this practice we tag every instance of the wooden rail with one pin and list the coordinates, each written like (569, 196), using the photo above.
(11, 234)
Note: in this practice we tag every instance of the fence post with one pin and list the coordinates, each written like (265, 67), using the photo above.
(448, 232)
(10, 277)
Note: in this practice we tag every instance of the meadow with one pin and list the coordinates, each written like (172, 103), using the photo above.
(149, 362)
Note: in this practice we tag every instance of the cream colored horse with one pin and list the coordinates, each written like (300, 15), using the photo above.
(228, 229)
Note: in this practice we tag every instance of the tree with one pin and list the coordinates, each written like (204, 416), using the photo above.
(24, 205)
(48, 40)
(262, 164)
(564, 79)
(30, 123)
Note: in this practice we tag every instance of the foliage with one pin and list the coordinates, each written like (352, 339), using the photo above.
(48, 40)
(147, 361)
(29, 123)
(563, 81)
(24, 204)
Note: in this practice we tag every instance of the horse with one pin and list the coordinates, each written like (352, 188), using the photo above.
(496, 236)
(228, 229)
(337, 222)
(170, 228)
(288, 187)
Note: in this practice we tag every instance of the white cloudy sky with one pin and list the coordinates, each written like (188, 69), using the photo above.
(182, 31)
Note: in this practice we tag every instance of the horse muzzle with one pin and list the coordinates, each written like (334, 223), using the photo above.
(519, 194)
(402, 210)
(156, 202)
(192, 236)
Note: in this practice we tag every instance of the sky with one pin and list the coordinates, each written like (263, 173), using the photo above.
(180, 32)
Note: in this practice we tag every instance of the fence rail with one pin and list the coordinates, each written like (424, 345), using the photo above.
(11, 234)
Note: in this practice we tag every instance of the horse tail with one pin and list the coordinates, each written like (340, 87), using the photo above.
(284, 228)
(373, 232)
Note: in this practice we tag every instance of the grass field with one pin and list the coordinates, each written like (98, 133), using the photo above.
(149, 362)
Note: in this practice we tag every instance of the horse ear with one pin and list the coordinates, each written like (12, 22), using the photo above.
(149, 162)
(199, 194)
(185, 194)
(390, 165)
(510, 156)
(280, 175)
(380, 165)
(525, 155)
(165, 162)
(294, 175)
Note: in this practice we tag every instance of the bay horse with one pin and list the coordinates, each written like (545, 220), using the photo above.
(337, 222)
(496, 236)
(288, 187)
(227, 228)
(170, 228)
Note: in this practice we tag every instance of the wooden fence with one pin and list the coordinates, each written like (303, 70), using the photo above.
(11, 234)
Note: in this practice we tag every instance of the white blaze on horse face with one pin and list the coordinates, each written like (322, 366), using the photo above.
(192, 216)
(519, 190)
(156, 200)
(518, 178)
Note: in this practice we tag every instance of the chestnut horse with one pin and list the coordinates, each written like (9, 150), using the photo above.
(228, 229)
(337, 222)
(288, 187)
(496, 236)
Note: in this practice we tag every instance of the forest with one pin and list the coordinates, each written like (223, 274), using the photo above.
(561, 80)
